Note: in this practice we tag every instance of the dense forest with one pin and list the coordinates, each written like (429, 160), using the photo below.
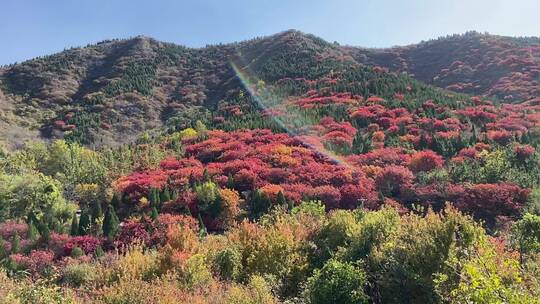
(283, 169)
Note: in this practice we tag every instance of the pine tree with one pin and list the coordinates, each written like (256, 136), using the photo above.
(84, 222)
(74, 225)
(111, 223)
(16, 244)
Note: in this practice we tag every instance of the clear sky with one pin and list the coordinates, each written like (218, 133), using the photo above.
(30, 28)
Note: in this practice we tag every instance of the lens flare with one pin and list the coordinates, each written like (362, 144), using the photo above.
(265, 99)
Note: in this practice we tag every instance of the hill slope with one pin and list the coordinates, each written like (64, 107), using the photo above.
(473, 63)
(110, 92)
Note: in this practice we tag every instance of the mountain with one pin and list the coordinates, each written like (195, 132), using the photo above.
(473, 63)
(112, 91)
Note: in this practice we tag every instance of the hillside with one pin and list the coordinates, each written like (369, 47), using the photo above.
(110, 92)
(473, 63)
(282, 169)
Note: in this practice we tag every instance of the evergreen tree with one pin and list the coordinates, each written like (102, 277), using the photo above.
(45, 232)
(111, 223)
(115, 202)
(154, 214)
(260, 203)
(360, 144)
(174, 194)
(74, 225)
(33, 233)
(99, 252)
(97, 212)
(165, 195)
(16, 244)
(154, 197)
(3, 253)
(281, 200)
(230, 181)
(206, 176)
(84, 222)
(202, 231)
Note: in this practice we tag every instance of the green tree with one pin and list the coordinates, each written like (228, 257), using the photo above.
(33, 233)
(525, 236)
(84, 222)
(337, 282)
(16, 244)
(111, 223)
(74, 225)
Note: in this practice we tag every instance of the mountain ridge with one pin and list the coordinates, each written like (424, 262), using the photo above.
(141, 83)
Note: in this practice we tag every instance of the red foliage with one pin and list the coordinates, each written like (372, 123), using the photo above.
(524, 152)
(87, 243)
(426, 160)
(392, 180)
(36, 262)
(487, 201)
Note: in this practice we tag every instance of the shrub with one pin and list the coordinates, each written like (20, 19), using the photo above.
(228, 264)
(78, 274)
(426, 160)
(392, 180)
(337, 282)
(76, 252)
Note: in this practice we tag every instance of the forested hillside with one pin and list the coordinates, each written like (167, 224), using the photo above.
(474, 63)
(282, 169)
(110, 92)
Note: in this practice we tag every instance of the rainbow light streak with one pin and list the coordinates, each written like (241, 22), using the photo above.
(249, 81)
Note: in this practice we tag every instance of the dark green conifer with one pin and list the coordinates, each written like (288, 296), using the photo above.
(16, 244)
(84, 222)
(74, 225)
(111, 223)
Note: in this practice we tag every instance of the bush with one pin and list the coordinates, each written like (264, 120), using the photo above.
(228, 264)
(78, 274)
(76, 252)
(337, 282)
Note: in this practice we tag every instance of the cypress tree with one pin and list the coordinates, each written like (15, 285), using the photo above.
(84, 222)
(74, 225)
(110, 223)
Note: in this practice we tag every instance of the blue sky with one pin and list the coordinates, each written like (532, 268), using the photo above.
(30, 28)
